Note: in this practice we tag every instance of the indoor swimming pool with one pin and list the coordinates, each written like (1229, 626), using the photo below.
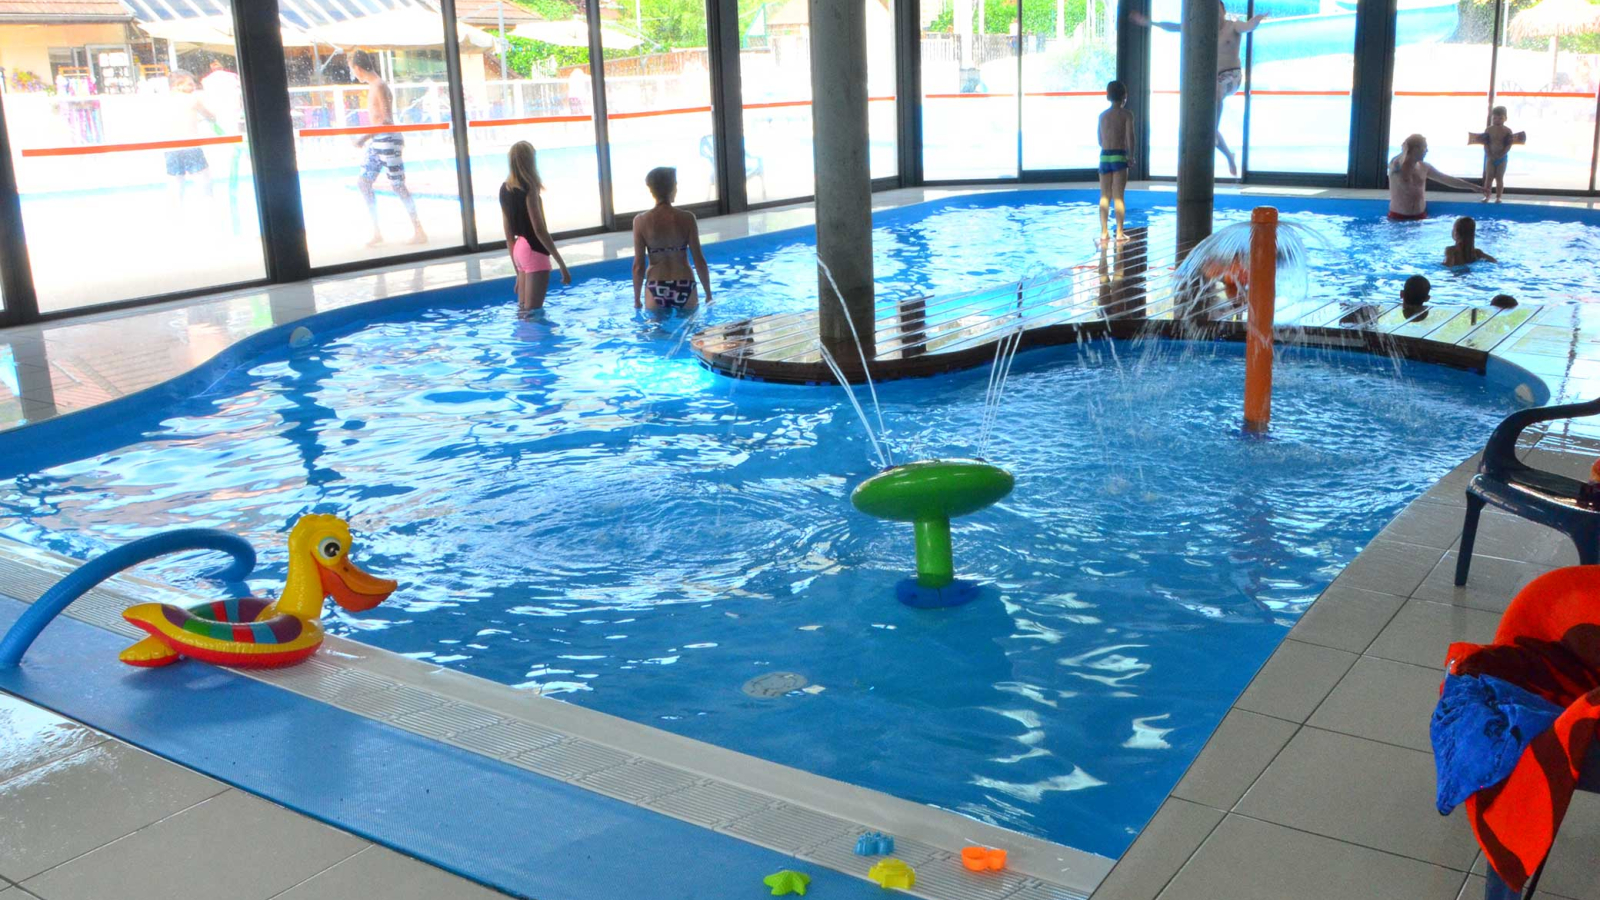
(576, 508)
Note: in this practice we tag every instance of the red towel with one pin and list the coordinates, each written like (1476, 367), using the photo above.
(1549, 643)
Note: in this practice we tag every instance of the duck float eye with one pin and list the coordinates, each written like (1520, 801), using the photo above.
(329, 549)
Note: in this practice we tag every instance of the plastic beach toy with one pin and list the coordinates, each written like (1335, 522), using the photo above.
(874, 843)
(893, 873)
(787, 881)
(980, 859)
(929, 494)
(251, 632)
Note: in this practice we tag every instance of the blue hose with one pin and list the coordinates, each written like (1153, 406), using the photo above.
(80, 580)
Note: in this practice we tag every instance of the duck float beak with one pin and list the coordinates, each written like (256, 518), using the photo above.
(352, 588)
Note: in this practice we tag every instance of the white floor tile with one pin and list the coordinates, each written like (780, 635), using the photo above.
(1237, 753)
(1391, 567)
(1294, 680)
(71, 806)
(1571, 870)
(1491, 581)
(1423, 631)
(1346, 618)
(1162, 848)
(1427, 524)
(234, 846)
(1383, 700)
(31, 737)
(381, 872)
(1359, 791)
(1245, 859)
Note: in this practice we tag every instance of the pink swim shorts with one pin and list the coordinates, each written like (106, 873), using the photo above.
(527, 259)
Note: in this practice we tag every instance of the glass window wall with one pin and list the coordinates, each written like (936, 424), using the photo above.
(970, 117)
(370, 103)
(1547, 84)
(658, 101)
(534, 85)
(1443, 54)
(775, 79)
(1069, 52)
(128, 145)
(1165, 50)
(1302, 66)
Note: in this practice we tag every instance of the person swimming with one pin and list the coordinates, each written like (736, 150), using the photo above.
(664, 238)
(1465, 250)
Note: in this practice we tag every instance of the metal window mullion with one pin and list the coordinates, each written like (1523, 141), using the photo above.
(458, 122)
(602, 128)
(1249, 88)
(1494, 58)
(727, 106)
(908, 90)
(269, 127)
(21, 303)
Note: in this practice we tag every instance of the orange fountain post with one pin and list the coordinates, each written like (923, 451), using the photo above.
(1258, 330)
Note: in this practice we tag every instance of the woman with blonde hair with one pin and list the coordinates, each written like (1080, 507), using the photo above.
(527, 235)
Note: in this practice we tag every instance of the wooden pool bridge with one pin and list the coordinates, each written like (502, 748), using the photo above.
(1124, 292)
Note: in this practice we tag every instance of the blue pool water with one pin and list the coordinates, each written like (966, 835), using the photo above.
(577, 509)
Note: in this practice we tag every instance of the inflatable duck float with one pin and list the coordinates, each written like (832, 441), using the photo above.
(251, 632)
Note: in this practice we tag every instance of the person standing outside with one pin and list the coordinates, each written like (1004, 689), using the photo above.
(1408, 180)
(383, 148)
(225, 98)
(1230, 68)
(188, 112)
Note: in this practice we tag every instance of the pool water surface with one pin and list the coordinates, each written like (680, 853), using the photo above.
(577, 509)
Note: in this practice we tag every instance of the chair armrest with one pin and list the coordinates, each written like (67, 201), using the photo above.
(1500, 452)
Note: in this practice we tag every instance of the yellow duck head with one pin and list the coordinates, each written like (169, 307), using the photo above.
(320, 567)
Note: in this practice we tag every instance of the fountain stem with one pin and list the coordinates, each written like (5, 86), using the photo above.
(936, 566)
(1258, 330)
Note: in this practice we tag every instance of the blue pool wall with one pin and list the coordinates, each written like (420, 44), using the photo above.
(77, 435)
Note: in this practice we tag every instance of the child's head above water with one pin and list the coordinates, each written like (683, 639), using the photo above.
(1416, 290)
(1498, 115)
(1116, 93)
(1465, 230)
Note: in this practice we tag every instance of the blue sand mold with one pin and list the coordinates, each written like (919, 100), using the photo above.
(517, 831)
(42, 445)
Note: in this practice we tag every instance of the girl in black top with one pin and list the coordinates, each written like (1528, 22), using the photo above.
(527, 236)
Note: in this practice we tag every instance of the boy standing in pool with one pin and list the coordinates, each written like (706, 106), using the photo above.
(383, 148)
(1116, 154)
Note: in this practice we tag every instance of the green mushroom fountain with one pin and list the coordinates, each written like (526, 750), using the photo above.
(929, 494)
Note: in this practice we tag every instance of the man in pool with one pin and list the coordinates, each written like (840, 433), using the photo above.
(383, 148)
(1230, 70)
(1408, 180)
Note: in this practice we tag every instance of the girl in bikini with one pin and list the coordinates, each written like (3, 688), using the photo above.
(663, 240)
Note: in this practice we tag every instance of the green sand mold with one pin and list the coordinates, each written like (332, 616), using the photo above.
(929, 494)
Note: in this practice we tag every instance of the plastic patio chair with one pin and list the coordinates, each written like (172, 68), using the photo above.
(1533, 494)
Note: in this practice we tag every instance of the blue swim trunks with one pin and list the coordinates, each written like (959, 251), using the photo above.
(1113, 161)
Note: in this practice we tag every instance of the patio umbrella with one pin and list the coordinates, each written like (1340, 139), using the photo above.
(574, 33)
(1555, 19)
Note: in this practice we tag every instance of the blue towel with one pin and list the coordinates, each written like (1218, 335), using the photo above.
(1479, 729)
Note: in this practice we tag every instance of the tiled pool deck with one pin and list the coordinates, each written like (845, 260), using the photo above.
(1318, 784)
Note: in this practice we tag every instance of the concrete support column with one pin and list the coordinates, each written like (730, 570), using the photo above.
(844, 176)
(1197, 121)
